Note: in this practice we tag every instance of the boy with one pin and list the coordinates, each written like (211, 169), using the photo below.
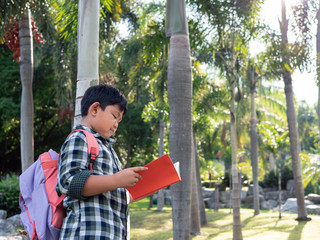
(96, 202)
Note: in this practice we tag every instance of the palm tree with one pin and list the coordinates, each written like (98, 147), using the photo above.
(254, 138)
(292, 123)
(180, 102)
(26, 75)
(85, 15)
(237, 230)
(88, 50)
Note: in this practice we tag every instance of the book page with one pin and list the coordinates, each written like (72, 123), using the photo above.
(177, 167)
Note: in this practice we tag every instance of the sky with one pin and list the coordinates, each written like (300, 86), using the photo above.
(304, 85)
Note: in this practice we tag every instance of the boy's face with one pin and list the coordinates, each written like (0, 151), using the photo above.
(106, 122)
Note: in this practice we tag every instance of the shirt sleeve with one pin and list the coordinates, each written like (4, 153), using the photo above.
(73, 166)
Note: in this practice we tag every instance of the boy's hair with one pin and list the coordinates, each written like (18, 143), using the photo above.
(105, 95)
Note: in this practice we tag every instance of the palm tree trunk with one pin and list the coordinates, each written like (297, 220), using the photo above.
(194, 214)
(180, 107)
(26, 75)
(271, 162)
(279, 185)
(254, 144)
(202, 209)
(318, 64)
(180, 134)
(294, 146)
(237, 230)
(88, 51)
(292, 123)
(160, 199)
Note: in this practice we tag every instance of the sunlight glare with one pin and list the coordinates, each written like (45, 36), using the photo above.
(290, 3)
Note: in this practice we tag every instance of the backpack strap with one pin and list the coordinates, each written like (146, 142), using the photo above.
(93, 147)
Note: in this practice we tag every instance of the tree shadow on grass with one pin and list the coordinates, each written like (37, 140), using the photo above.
(246, 221)
(296, 232)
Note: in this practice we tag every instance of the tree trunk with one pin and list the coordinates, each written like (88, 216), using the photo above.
(202, 209)
(271, 162)
(194, 214)
(88, 50)
(160, 199)
(318, 64)
(279, 185)
(26, 75)
(180, 102)
(180, 134)
(293, 130)
(237, 231)
(294, 146)
(254, 143)
(216, 197)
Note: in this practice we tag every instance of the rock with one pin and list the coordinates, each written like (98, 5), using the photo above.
(250, 190)
(291, 188)
(249, 199)
(225, 197)
(6, 228)
(313, 209)
(269, 189)
(15, 221)
(314, 198)
(243, 194)
(291, 205)
(9, 227)
(3, 214)
(274, 195)
(207, 192)
(210, 203)
(268, 205)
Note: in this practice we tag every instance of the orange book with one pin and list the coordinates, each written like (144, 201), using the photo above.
(160, 174)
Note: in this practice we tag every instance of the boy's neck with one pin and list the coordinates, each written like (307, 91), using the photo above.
(86, 122)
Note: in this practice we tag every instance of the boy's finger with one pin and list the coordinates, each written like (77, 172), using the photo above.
(139, 169)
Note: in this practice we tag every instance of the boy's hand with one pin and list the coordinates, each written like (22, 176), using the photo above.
(130, 176)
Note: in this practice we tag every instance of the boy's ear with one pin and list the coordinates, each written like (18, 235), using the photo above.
(93, 109)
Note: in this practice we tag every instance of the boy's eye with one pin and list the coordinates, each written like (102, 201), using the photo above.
(115, 117)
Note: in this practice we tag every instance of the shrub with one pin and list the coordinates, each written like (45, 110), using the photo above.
(209, 184)
(309, 189)
(271, 179)
(9, 195)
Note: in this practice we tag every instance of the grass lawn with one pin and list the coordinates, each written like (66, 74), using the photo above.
(152, 225)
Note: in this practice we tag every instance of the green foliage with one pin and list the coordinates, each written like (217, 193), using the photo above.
(308, 129)
(211, 170)
(310, 172)
(309, 189)
(280, 59)
(271, 179)
(48, 132)
(9, 195)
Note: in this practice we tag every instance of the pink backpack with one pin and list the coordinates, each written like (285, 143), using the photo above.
(42, 209)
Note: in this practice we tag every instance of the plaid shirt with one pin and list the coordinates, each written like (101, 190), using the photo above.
(102, 216)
